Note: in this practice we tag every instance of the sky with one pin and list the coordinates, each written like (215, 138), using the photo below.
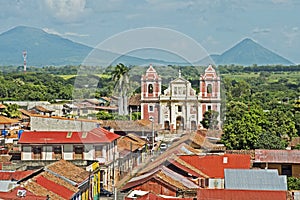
(216, 25)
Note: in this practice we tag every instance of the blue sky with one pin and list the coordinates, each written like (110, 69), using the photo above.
(215, 24)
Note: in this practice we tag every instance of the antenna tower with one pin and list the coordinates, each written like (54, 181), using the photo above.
(24, 57)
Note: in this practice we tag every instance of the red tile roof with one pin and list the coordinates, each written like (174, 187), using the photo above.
(13, 195)
(97, 135)
(15, 175)
(204, 194)
(277, 156)
(62, 167)
(55, 188)
(214, 165)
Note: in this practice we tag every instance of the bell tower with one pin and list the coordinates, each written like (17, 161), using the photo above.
(210, 96)
(150, 92)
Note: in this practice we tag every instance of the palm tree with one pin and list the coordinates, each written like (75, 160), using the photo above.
(121, 78)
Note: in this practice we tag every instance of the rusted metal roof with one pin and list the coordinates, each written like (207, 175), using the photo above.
(277, 156)
(204, 194)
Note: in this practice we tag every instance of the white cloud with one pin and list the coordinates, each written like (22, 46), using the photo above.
(261, 30)
(51, 31)
(66, 10)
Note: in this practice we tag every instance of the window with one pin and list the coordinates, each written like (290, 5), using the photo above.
(179, 108)
(208, 107)
(286, 170)
(57, 149)
(69, 135)
(151, 109)
(209, 89)
(150, 88)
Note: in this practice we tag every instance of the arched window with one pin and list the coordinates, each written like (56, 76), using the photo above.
(150, 88)
(209, 89)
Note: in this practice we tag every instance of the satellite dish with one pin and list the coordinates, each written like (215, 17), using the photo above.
(21, 193)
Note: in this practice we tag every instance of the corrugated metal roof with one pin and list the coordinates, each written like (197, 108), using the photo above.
(5, 186)
(277, 156)
(97, 135)
(266, 179)
(205, 194)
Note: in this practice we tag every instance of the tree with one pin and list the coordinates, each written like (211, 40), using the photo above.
(242, 126)
(103, 115)
(121, 78)
(12, 111)
(270, 141)
(210, 119)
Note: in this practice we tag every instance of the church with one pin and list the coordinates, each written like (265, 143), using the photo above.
(179, 107)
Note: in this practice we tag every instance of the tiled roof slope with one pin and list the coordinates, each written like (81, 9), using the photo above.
(62, 167)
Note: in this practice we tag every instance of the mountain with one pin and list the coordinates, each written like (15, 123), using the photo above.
(247, 52)
(49, 49)
(42, 48)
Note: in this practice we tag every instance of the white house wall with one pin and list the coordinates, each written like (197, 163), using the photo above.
(89, 152)
(47, 153)
(68, 152)
(26, 153)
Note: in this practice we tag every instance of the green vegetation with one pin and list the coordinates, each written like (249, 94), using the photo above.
(293, 183)
(261, 104)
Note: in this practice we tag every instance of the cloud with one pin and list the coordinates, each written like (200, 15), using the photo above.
(261, 30)
(51, 31)
(66, 10)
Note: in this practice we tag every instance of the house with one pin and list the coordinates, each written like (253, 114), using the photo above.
(179, 107)
(97, 144)
(134, 103)
(132, 152)
(287, 162)
(8, 124)
(41, 110)
(163, 181)
(61, 180)
(214, 165)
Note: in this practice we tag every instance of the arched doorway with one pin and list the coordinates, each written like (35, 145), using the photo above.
(179, 123)
(167, 125)
(193, 125)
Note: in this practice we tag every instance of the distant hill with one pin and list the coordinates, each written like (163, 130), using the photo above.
(42, 48)
(247, 52)
(49, 49)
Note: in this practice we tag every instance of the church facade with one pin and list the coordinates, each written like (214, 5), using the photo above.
(179, 107)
